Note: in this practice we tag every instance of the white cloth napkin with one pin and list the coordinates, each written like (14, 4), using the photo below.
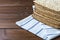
(38, 28)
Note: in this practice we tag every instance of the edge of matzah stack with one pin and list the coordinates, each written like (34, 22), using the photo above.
(45, 20)
(46, 15)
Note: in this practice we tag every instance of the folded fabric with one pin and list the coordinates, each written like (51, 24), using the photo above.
(38, 28)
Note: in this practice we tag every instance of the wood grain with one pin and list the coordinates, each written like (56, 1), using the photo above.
(19, 34)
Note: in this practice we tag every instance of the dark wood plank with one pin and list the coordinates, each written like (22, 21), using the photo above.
(15, 3)
(8, 25)
(2, 35)
(57, 38)
(13, 34)
(14, 9)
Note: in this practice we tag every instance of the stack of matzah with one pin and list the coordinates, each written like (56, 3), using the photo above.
(48, 12)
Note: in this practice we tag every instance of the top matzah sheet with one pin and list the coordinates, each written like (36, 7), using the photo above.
(51, 4)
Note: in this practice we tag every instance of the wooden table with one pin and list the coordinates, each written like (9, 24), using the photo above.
(10, 12)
